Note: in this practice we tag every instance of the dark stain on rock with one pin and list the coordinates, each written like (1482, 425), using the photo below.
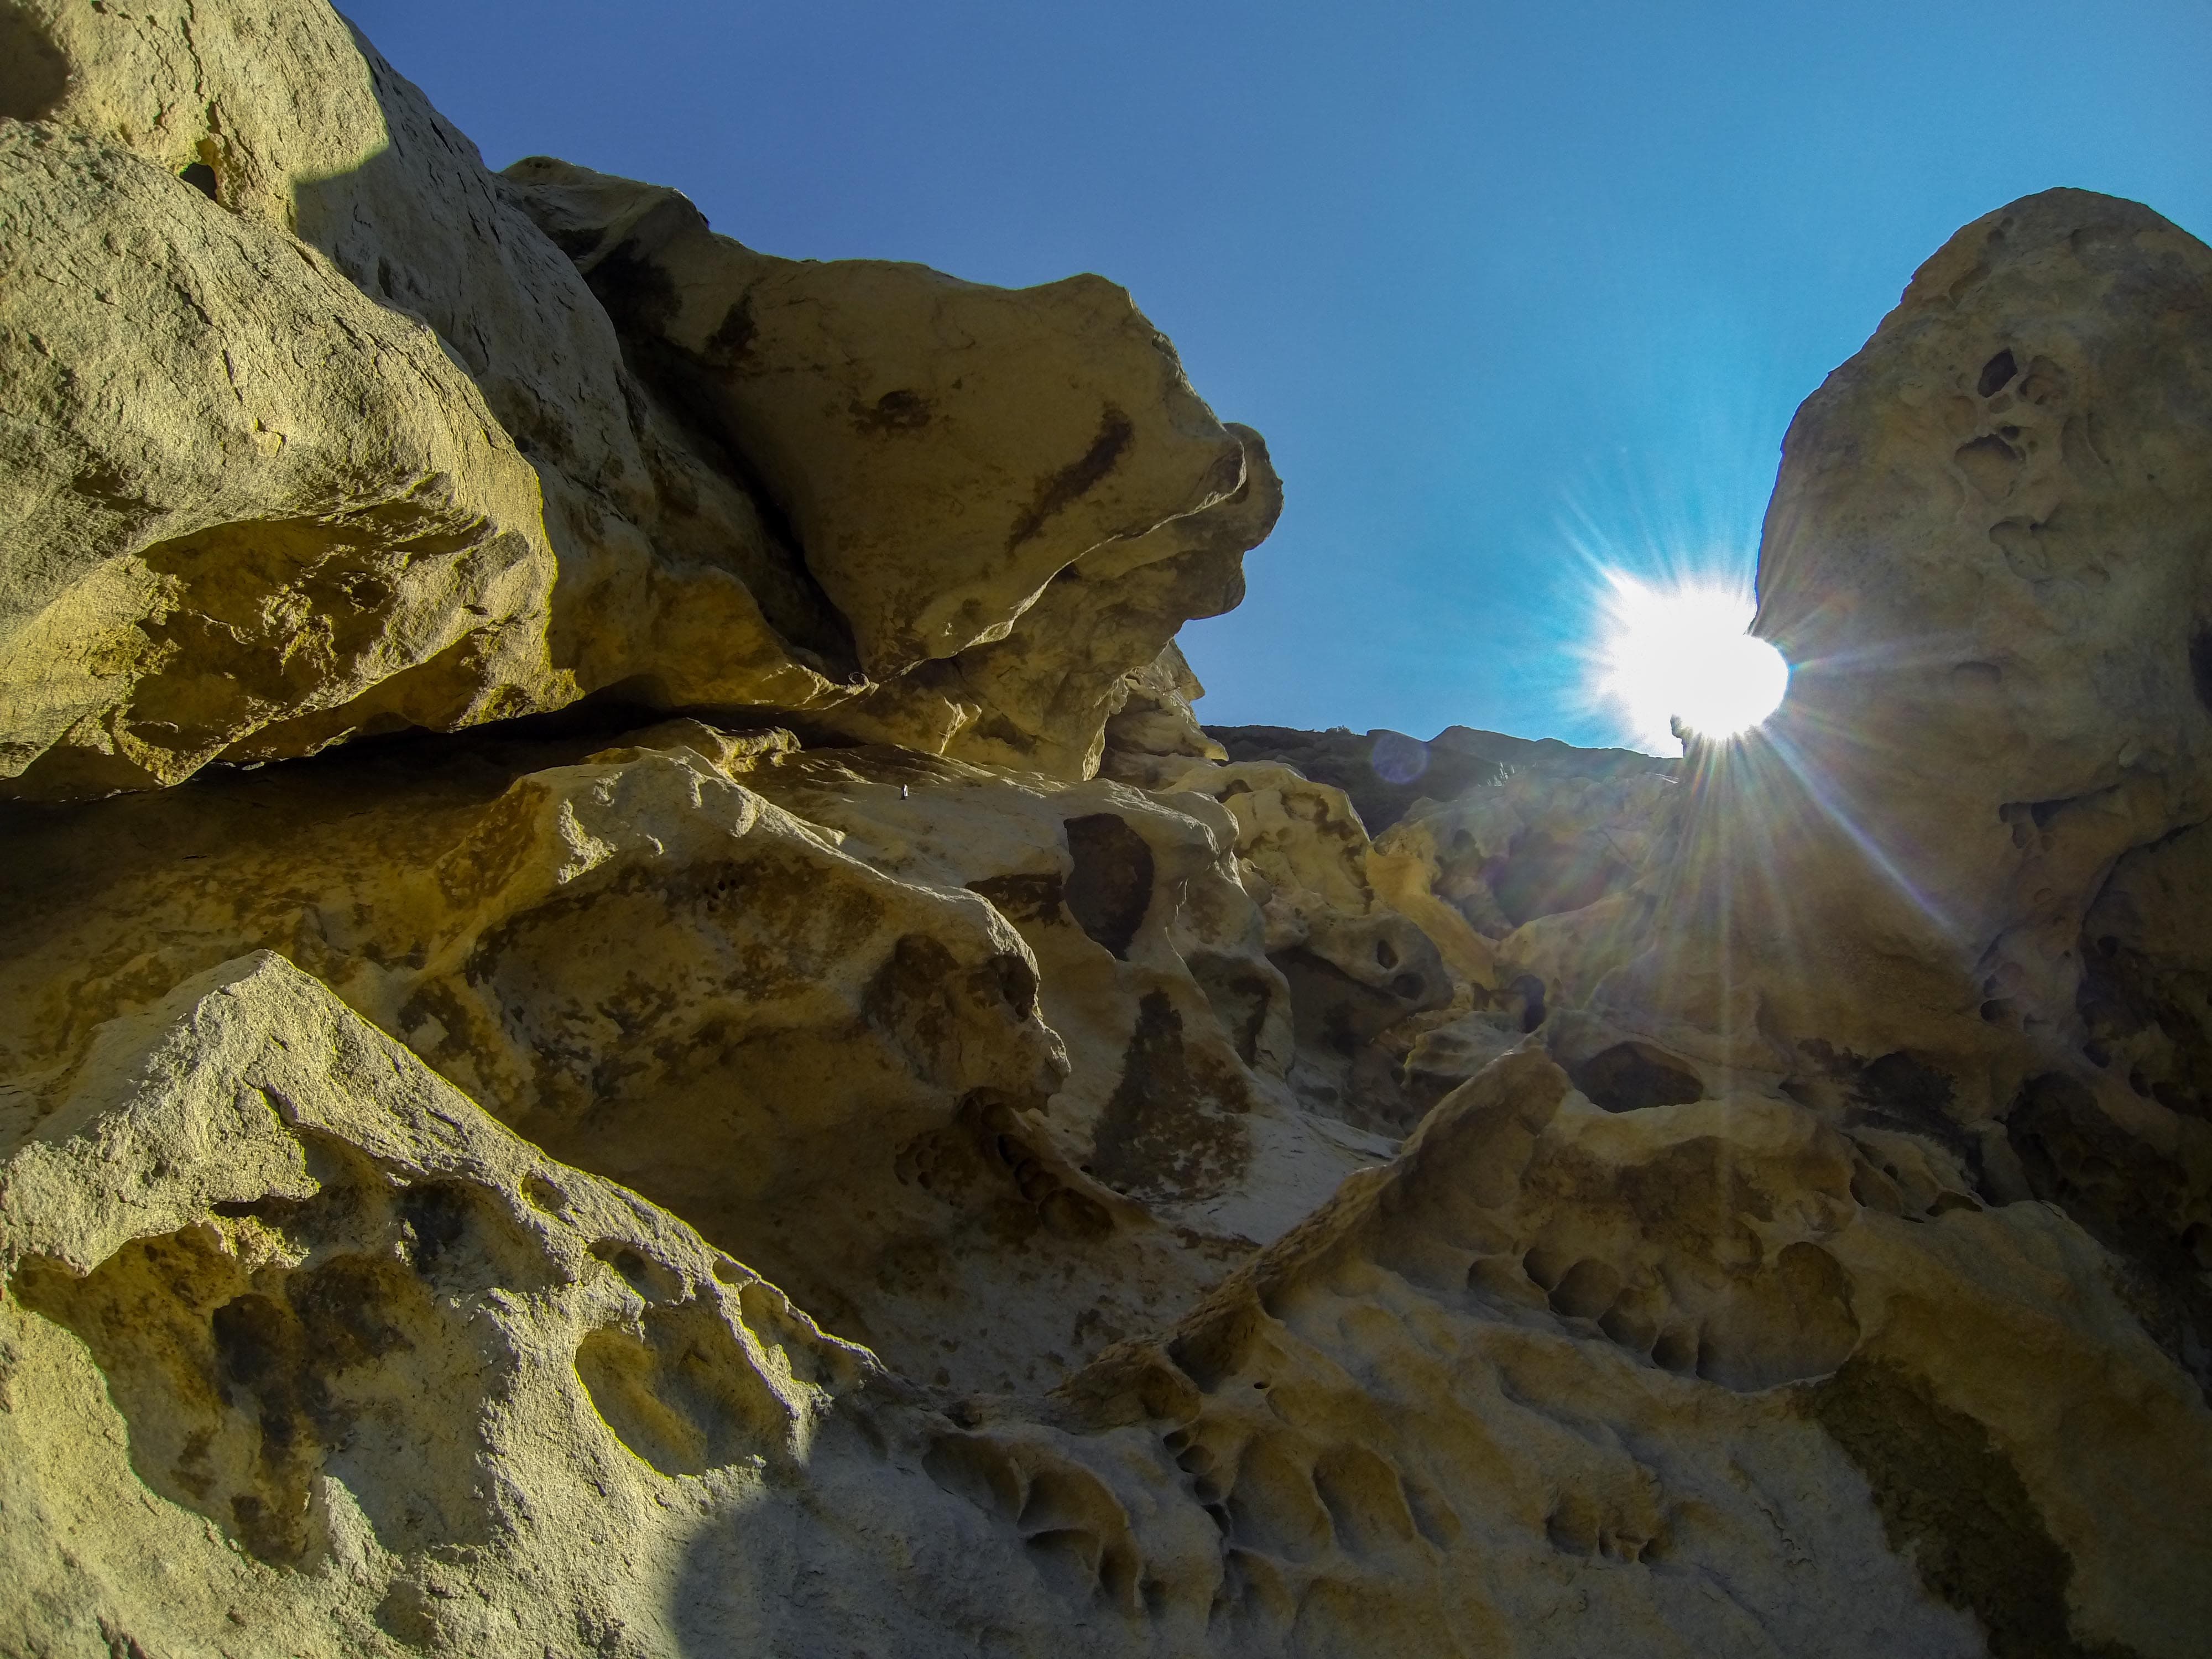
(2200, 665)
(1953, 1505)
(1902, 1092)
(1171, 1130)
(1110, 887)
(732, 338)
(1031, 900)
(435, 1217)
(1240, 996)
(1072, 482)
(33, 73)
(982, 1159)
(1543, 876)
(235, 1393)
(638, 293)
(2131, 1200)
(576, 241)
(908, 1000)
(926, 1001)
(2124, 994)
(895, 412)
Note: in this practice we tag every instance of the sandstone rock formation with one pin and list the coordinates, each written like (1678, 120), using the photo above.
(434, 481)
(1384, 773)
(862, 1128)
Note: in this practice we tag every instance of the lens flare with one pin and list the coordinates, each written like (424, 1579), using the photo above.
(1681, 654)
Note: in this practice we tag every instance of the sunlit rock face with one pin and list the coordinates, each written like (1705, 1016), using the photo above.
(317, 433)
(932, 1151)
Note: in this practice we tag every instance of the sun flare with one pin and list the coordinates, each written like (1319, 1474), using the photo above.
(1681, 653)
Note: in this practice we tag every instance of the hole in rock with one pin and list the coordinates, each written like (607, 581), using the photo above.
(201, 177)
(1587, 1291)
(34, 74)
(2200, 665)
(652, 1280)
(1274, 1506)
(1627, 1325)
(1110, 887)
(1676, 1349)
(1988, 462)
(1365, 1499)
(1530, 991)
(1997, 373)
(1546, 1265)
(1631, 1077)
(679, 1390)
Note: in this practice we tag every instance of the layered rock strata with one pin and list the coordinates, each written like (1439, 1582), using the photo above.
(862, 1128)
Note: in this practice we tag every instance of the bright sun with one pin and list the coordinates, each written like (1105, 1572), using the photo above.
(1680, 653)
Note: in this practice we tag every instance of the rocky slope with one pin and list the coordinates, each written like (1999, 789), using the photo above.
(635, 1018)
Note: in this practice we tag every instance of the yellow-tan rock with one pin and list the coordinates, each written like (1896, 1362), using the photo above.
(934, 1152)
(1975, 560)
(793, 559)
(941, 449)
(717, 968)
(246, 510)
(472, 1398)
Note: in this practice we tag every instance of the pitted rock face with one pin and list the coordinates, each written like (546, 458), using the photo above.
(1756, 1205)
(1943, 894)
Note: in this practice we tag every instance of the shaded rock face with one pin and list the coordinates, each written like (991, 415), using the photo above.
(1385, 774)
(1945, 893)
(934, 1152)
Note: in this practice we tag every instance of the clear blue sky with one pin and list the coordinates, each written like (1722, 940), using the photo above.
(1502, 284)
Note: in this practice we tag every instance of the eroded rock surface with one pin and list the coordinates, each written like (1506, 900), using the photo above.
(457, 468)
(929, 1151)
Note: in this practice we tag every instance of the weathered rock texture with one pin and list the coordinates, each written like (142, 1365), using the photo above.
(875, 1133)
(313, 432)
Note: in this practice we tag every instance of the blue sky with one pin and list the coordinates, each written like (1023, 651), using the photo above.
(1505, 286)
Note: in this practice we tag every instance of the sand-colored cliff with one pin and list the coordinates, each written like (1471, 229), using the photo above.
(635, 1018)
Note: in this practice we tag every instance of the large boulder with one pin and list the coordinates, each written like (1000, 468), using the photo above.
(831, 516)
(1981, 561)
(941, 449)
(302, 1352)
(246, 510)
(1945, 896)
